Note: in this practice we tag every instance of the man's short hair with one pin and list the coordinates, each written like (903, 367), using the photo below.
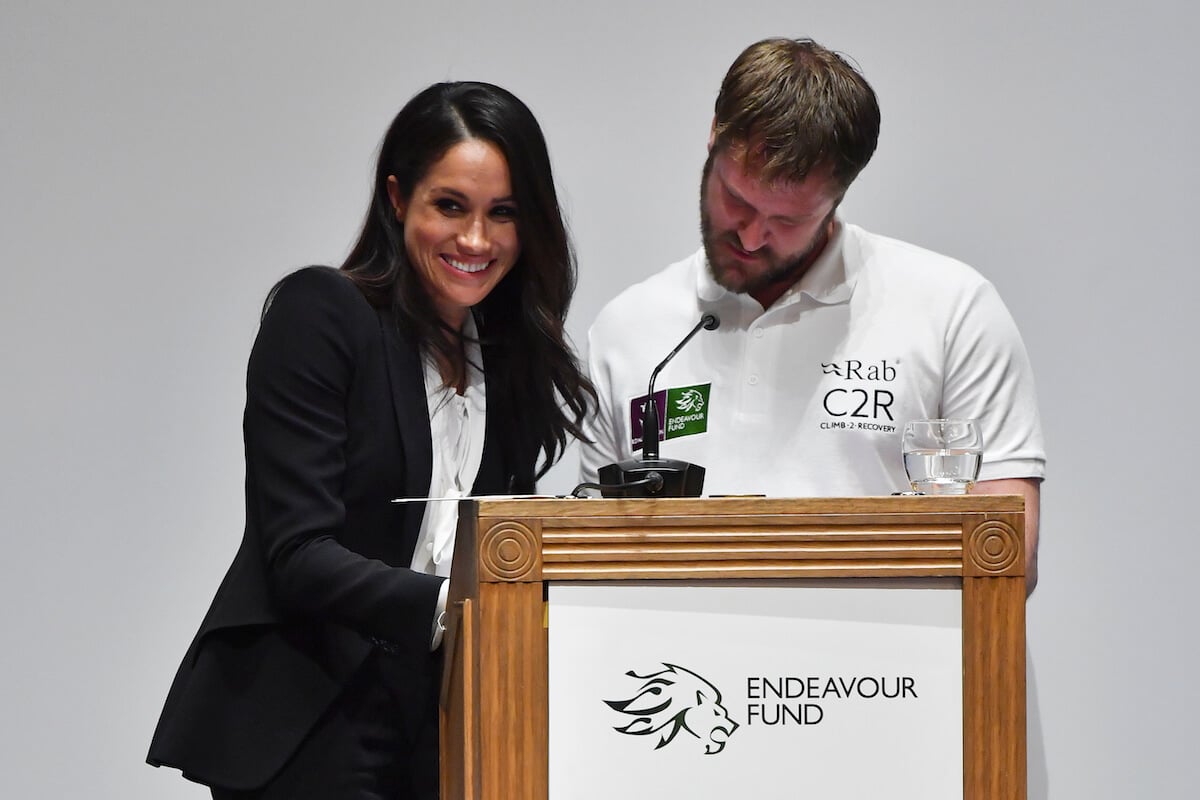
(797, 107)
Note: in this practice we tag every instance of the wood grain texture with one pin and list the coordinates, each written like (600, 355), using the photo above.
(460, 730)
(511, 551)
(631, 510)
(732, 538)
(515, 716)
(994, 545)
(994, 756)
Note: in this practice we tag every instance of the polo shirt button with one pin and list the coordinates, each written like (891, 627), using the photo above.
(754, 380)
(758, 333)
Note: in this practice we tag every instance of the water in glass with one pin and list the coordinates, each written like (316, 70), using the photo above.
(942, 456)
(942, 471)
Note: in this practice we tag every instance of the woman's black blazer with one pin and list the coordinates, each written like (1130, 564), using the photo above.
(336, 426)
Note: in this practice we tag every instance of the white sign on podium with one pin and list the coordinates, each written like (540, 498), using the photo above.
(764, 690)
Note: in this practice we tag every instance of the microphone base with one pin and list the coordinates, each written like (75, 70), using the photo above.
(679, 478)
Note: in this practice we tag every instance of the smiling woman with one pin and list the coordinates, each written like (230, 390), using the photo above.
(460, 227)
(432, 363)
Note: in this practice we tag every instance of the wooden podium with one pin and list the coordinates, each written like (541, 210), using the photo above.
(494, 699)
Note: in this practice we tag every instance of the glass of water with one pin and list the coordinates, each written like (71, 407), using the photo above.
(941, 456)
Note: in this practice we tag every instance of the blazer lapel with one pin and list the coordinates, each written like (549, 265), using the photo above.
(407, 379)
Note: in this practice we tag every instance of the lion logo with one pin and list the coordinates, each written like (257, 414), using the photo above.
(676, 699)
(690, 401)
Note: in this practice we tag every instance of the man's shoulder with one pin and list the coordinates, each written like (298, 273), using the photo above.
(882, 256)
(667, 293)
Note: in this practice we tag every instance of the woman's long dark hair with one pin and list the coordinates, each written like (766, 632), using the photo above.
(532, 368)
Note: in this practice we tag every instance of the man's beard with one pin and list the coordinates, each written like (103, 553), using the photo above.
(777, 271)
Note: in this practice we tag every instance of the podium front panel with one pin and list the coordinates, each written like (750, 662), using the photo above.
(894, 570)
(834, 689)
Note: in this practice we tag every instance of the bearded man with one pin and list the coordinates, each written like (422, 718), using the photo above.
(831, 337)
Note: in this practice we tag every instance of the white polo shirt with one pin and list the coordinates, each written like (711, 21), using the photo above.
(809, 398)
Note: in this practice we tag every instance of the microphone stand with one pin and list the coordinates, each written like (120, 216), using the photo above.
(652, 476)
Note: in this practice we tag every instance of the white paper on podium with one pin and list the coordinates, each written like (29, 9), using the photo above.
(801, 690)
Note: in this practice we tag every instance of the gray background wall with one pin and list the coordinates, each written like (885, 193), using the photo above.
(162, 164)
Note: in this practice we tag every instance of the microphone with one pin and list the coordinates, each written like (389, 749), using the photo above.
(651, 476)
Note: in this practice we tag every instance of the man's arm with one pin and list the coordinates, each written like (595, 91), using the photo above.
(602, 426)
(1031, 488)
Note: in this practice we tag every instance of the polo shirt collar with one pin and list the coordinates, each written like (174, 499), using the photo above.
(830, 279)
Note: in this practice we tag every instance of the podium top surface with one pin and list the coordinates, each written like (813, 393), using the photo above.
(567, 507)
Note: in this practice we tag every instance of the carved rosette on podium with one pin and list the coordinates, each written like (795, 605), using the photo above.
(760, 647)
